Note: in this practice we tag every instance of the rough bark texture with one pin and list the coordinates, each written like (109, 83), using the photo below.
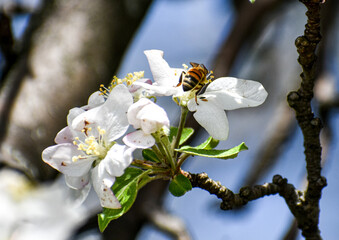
(75, 46)
(300, 101)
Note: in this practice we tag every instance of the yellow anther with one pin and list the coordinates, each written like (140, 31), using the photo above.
(101, 131)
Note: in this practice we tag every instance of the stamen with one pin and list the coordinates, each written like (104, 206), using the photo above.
(128, 80)
(92, 146)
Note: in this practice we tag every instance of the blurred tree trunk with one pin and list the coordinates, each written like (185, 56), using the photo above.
(73, 48)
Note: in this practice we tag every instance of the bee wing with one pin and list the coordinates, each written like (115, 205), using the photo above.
(194, 64)
(201, 66)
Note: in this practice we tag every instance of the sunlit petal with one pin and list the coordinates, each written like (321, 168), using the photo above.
(213, 119)
(118, 158)
(232, 93)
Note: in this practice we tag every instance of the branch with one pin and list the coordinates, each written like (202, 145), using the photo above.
(231, 200)
(300, 100)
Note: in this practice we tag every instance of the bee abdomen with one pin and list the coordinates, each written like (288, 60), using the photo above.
(191, 80)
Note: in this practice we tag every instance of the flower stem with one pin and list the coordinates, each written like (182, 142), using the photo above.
(181, 159)
(184, 111)
(164, 148)
(158, 152)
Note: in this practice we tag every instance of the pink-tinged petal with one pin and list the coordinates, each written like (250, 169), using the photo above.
(64, 136)
(213, 119)
(135, 87)
(102, 183)
(77, 182)
(118, 158)
(133, 111)
(139, 139)
(60, 157)
(232, 93)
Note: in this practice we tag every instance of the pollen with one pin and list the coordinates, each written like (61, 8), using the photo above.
(185, 66)
(91, 145)
(128, 80)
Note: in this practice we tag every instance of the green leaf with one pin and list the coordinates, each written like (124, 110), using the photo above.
(210, 143)
(213, 153)
(125, 189)
(252, 1)
(180, 185)
(186, 134)
(149, 155)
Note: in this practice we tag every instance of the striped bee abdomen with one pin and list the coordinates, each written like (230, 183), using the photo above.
(192, 79)
(195, 77)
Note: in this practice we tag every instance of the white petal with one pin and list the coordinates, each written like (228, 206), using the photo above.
(232, 93)
(60, 157)
(77, 182)
(73, 113)
(64, 136)
(110, 116)
(135, 87)
(152, 118)
(161, 71)
(192, 105)
(78, 196)
(118, 158)
(133, 111)
(165, 78)
(86, 119)
(213, 119)
(96, 99)
(139, 139)
(156, 90)
(102, 183)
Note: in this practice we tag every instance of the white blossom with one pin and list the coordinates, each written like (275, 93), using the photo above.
(165, 78)
(148, 118)
(222, 94)
(226, 93)
(86, 151)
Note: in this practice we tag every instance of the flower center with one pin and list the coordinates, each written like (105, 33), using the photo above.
(184, 98)
(92, 146)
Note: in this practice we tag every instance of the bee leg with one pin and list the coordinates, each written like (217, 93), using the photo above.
(196, 99)
(180, 79)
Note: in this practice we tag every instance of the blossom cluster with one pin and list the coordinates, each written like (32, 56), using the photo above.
(96, 147)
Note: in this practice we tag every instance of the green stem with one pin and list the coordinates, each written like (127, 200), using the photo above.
(157, 175)
(144, 164)
(181, 159)
(164, 148)
(158, 152)
(184, 111)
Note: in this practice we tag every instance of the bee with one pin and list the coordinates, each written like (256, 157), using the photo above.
(196, 78)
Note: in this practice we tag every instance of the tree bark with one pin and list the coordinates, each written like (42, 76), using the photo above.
(75, 46)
